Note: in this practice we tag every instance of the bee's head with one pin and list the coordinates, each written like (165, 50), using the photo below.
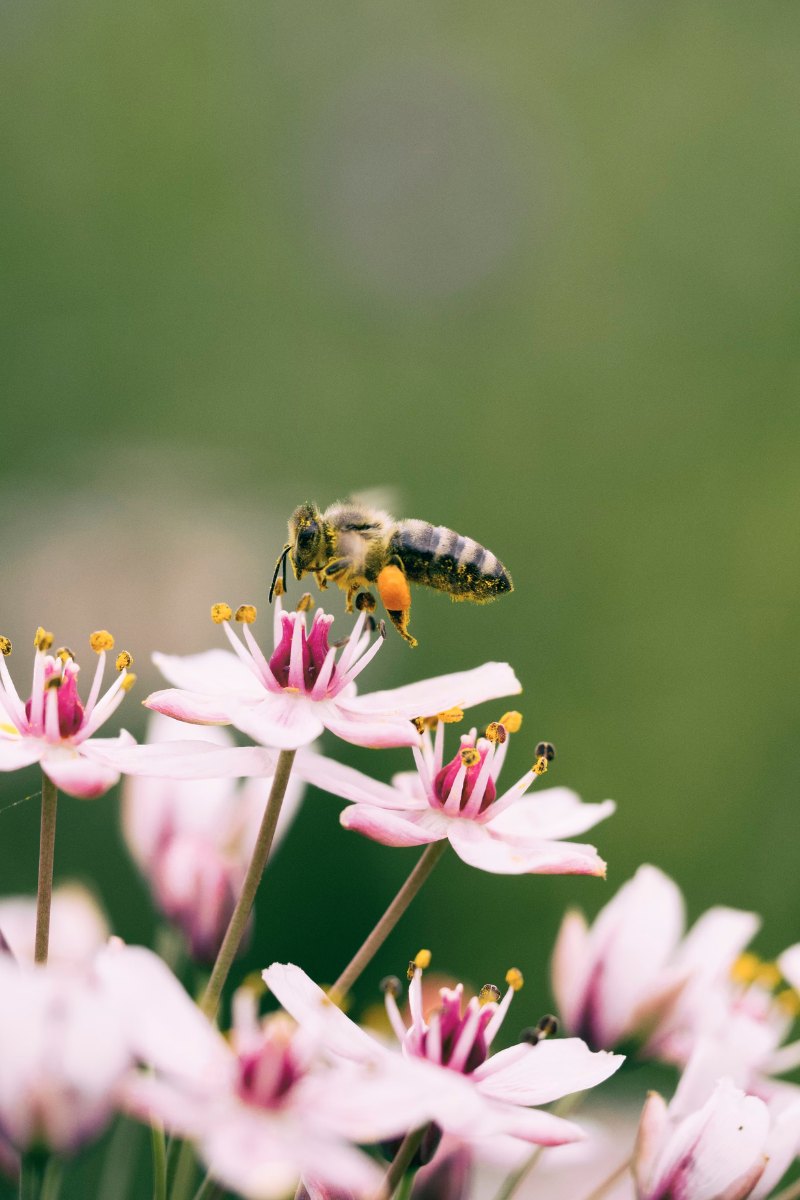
(307, 537)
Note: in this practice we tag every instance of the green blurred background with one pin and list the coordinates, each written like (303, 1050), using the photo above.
(532, 265)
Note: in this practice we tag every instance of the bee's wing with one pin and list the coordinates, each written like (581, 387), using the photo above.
(386, 498)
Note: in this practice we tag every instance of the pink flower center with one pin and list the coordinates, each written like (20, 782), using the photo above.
(70, 709)
(471, 760)
(456, 1039)
(313, 650)
(267, 1075)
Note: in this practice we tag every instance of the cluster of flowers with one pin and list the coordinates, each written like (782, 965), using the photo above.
(304, 1101)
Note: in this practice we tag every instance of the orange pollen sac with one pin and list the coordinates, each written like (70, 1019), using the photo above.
(394, 589)
(5, 645)
(512, 721)
(42, 640)
(101, 640)
(124, 660)
(246, 614)
(221, 612)
(469, 756)
(496, 732)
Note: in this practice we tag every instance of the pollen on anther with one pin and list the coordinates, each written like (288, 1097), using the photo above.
(246, 614)
(489, 994)
(451, 716)
(512, 721)
(5, 645)
(469, 756)
(42, 640)
(305, 603)
(101, 640)
(390, 986)
(221, 612)
(128, 682)
(65, 654)
(124, 660)
(540, 766)
(496, 732)
(514, 978)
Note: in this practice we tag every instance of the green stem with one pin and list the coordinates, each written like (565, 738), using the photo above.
(39, 1177)
(184, 1172)
(120, 1160)
(47, 848)
(241, 914)
(565, 1106)
(159, 1148)
(53, 1178)
(400, 1163)
(425, 864)
(209, 1189)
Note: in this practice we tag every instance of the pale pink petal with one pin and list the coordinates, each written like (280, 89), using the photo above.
(166, 1028)
(180, 1110)
(651, 1136)
(286, 721)
(783, 1143)
(16, 753)
(789, 963)
(475, 845)
(568, 967)
(716, 939)
(212, 673)
(335, 777)
(313, 1010)
(375, 730)
(538, 1074)
(77, 773)
(462, 689)
(550, 813)
(530, 1125)
(394, 828)
(187, 760)
(718, 1152)
(197, 708)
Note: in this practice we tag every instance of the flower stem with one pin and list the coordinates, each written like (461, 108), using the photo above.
(400, 1163)
(608, 1183)
(425, 864)
(238, 922)
(209, 1189)
(565, 1106)
(47, 846)
(159, 1147)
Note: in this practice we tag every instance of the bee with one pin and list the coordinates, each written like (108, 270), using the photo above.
(356, 546)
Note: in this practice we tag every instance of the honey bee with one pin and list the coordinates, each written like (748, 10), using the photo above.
(356, 545)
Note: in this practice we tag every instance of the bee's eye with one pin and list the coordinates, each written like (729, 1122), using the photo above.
(307, 536)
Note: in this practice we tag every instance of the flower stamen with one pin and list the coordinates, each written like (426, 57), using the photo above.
(221, 612)
(101, 640)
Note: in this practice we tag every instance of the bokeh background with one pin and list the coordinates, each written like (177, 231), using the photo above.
(532, 265)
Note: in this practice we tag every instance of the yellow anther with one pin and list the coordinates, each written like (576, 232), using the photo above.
(101, 640)
(5, 645)
(124, 660)
(768, 976)
(128, 682)
(469, 756)
(512, 721)
(496, 732)
(305, 603)
(42, 640)
(451, 716)
(423, 723)
(489, 994)
(245, 614)
(221, 612)
(65, 654)
(540, 766)
(789, 1001)
(54, 681)
(422, 959)
(514, 979)
(278, 588)
(745, 968)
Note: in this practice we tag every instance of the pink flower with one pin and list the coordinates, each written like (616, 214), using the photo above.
(78, 926)
(483, 1100)
(508, 834)
(64, 1053)
(55, 728)
(193, 840)
(262, 1106)
(632, 974)
(287, 700)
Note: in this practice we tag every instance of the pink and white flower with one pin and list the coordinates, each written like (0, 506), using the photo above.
(263, 1107)
(287, 700)
(510, 833)
(634, 974)
(78, 926)
(64, 1052)
(484, 1101)
(55, 728)
(193, 840)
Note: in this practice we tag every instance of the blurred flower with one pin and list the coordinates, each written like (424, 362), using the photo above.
(630, 974)
(55, 728)
(509, 834)
(287, 700)
(78, 926)
(262, 1107)
(64, 1052)
(193, 840)
(483, 1101)
(446, 1177)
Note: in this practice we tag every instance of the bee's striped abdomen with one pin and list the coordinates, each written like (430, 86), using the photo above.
(440, 558)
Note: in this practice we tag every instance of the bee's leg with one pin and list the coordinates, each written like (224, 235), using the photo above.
(352, 591)
(338, 569)
(396, 596)
(322, 582)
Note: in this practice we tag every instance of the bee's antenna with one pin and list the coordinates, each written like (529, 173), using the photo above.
(284, 554)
